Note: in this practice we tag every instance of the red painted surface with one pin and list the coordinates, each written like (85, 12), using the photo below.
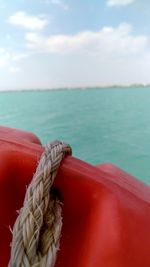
(106, 212)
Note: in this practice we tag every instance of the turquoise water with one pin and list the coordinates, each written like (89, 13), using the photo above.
(105, 125)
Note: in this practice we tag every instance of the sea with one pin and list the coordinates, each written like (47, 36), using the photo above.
(101, 124)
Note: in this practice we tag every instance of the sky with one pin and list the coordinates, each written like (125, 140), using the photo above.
(73, 43)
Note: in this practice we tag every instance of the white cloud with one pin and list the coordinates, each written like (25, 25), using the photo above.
(119, 2)
(27, 21)
(108, 41)
(4, 57)
(19, 56)
(59, 3)
(14, 69)
(8, 58)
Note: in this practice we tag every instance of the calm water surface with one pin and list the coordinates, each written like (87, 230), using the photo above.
(105, 125)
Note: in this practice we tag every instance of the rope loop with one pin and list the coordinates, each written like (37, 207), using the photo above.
(36, 232)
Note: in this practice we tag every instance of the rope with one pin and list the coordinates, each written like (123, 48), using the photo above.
(36, 232)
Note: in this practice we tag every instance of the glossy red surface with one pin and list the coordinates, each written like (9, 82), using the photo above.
(106, 212)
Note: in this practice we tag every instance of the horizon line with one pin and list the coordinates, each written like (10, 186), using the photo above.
(136, 85)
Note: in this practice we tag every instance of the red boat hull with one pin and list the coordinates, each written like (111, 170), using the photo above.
(106, 212)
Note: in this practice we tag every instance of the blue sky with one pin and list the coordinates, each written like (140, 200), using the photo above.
(68, 43)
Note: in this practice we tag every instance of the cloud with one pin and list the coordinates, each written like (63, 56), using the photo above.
(8, 58)
(111, 3)
(4, 57)
(14, 69)
(27, 21)
(108, 41)
(19, 56)
(59, 3)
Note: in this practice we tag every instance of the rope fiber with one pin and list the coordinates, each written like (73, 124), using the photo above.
(37, 230)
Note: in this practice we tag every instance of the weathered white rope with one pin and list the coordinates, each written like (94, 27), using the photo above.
(36, 232)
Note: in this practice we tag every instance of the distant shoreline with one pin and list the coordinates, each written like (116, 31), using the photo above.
(78, 88)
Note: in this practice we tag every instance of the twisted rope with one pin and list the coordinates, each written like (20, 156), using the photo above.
(37, 230)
